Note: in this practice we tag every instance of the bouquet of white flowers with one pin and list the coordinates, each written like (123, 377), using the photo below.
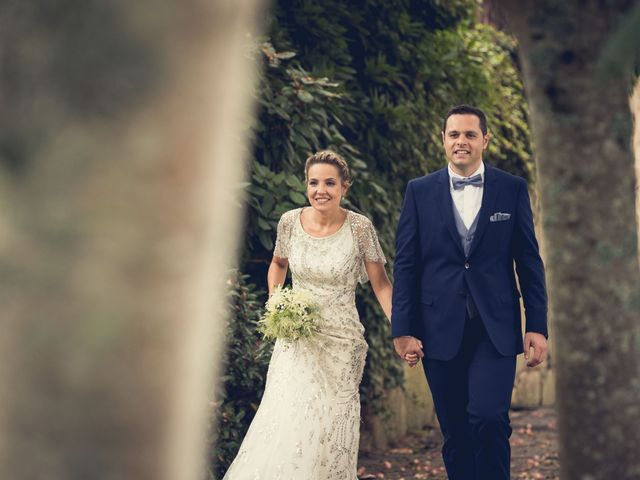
(290, 314)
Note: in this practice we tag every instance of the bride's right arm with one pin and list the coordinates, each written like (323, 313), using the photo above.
(277, 273)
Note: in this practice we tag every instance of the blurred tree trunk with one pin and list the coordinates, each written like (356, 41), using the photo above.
(635, 109)
(582, 128)
(121, 140)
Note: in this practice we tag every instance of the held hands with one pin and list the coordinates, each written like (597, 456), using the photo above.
(409, 349)
(539, 345)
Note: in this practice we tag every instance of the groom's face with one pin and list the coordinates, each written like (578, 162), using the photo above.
(464, 143)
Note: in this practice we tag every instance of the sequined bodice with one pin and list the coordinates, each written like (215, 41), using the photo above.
(329, 268)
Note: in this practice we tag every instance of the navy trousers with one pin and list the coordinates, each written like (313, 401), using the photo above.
(472, 396)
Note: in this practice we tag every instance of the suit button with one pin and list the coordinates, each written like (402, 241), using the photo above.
(466, 265)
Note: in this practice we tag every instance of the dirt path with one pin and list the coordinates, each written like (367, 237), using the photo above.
(534, 453)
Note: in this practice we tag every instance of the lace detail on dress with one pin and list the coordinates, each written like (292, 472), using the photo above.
(283, 237)
(367, 241)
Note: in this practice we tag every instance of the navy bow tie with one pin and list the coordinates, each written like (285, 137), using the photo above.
(460, 183)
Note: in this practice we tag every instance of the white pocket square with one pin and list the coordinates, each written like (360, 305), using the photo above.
(499, 217)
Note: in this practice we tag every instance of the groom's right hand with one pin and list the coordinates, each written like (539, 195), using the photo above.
(409, 349)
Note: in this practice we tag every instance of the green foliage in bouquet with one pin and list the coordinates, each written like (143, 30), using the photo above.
(291, 315)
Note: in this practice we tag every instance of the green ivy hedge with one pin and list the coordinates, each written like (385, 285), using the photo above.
(371, 80)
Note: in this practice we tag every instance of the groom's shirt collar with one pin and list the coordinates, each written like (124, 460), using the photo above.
(467, 200)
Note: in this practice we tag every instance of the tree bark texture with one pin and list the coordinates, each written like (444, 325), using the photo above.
(121, 144)
(582, 129)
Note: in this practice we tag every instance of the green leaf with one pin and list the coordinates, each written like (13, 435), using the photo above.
(379, 190)
(281, 113)
(265, 240)
(357, 163)
(305, 96)
(293, 181)
(267, 205)
(257, 191)
(263, 224)
(297, 198)
(285, 55)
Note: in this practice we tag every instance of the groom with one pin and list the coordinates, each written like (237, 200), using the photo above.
(461, 230)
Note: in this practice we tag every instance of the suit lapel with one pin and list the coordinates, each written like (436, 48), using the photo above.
(446, 208)
(489, 196)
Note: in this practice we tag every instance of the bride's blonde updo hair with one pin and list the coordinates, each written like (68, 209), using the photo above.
(332, 158)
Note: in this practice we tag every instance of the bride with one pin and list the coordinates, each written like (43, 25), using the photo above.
(308, 424)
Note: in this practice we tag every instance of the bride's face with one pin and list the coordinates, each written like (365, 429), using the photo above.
(324, 187)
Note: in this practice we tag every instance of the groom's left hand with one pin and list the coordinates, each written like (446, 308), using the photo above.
(538, 342)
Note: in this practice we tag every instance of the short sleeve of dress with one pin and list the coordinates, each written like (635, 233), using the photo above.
(368, 244)
(283, 236)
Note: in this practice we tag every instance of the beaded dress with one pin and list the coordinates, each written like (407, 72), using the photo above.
(308, 424)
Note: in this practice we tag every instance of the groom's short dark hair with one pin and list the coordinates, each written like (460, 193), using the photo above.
(467, 110)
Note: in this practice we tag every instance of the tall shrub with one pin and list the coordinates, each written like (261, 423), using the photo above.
(372, 79)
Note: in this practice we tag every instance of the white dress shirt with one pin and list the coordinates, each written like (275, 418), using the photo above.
(467, 200)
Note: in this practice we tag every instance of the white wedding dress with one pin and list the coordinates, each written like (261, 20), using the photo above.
(308, 424)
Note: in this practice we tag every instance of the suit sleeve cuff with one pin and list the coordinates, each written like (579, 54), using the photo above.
(537, 322)
(398, 331)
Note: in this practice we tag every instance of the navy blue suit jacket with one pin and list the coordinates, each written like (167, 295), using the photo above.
(432, 274)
